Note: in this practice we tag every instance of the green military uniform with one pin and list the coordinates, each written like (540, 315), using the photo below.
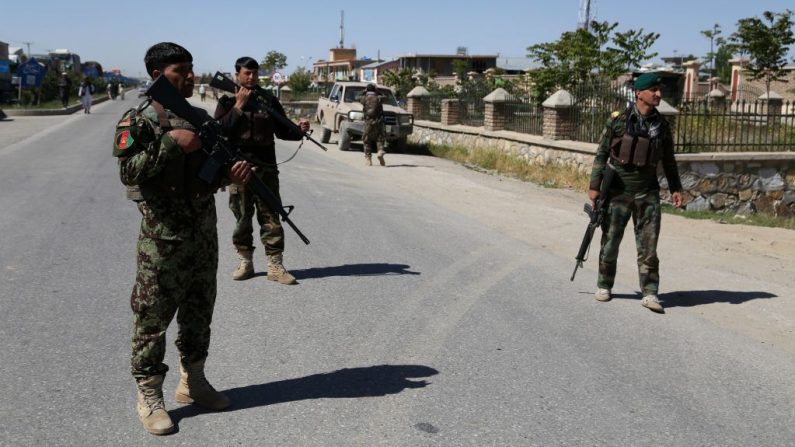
(374, 131)
(634, 192)
(253, 132)
(178, 243)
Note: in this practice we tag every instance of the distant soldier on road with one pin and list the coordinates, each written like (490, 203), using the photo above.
(634, 142)
(374, 132)
(159, 160)
(64, 86)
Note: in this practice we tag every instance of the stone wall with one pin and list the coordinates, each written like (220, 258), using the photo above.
(300, 109)
(739, 183)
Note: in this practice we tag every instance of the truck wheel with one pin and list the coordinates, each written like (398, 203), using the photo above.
(344, 141)
(325, 135)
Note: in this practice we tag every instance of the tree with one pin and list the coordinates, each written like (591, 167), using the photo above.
(300, 80)
(712, 35)
(767, 44)
(273, 61)
(583, 56)
(402, 81)
(460, 68)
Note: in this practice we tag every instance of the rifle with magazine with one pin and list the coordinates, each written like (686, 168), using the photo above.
(221, 153)
(596, 214)
(261, 99)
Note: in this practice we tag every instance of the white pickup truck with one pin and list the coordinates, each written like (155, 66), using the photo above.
(341, 112)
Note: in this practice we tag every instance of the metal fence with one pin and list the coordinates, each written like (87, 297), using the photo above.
(593, 104)
(524, 115)
(741, 126)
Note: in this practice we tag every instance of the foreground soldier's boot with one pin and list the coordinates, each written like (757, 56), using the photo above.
(246, 268)
(151, 409)
(603, 295)
(380, 157)
(652, 303)
(194, 388)
(368, 160)
(277, 272)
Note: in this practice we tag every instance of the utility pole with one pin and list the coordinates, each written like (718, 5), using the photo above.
(28, 44)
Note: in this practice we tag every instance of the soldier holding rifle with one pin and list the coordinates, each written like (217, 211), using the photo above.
(634, 142)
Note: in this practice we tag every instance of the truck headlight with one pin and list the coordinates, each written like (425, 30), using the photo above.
(355, 116)
(404, 119)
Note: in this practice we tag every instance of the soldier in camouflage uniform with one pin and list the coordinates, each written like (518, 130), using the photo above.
(159, 161)
(633, 144)
(253, 131)
(374, 132)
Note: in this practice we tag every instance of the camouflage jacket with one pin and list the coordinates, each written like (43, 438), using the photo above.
(175, 204)
(631, 178)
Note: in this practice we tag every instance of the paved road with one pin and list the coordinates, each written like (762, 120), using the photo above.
(414, 324)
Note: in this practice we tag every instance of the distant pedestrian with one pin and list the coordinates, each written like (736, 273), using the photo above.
(110, 90)
(202, 92)
(121, 91)
(64, 85)
(84, 92)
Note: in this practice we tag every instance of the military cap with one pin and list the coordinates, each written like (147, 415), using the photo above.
(647, 81)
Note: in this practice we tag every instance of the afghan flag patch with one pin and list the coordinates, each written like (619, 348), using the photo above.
(124, 140)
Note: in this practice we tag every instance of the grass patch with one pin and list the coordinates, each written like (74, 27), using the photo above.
(757, 220)
(494, 161)
(556, 176)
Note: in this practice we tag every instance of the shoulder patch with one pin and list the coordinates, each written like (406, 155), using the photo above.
(124, 140)
(126, 120)
(615, 114)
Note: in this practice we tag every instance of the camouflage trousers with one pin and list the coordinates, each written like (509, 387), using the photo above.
(645, 213)
(243, 203)
(374, 136)
(173, 278)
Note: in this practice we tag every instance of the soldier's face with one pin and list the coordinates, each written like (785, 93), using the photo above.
(180, 76)
(651, 96)
(247, 77)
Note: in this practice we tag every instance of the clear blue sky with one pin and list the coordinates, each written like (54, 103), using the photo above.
(117, 34)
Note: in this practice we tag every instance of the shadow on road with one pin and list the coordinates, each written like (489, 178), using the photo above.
(689, 298)
(354, 270)
(367, 381)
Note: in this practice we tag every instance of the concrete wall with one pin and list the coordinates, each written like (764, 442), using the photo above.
(724, 182)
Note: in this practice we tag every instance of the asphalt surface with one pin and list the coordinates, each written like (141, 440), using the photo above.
(413, 323)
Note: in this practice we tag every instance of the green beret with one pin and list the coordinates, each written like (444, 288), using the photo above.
(647, 81)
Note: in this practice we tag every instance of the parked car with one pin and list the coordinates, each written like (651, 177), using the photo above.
(143, 88)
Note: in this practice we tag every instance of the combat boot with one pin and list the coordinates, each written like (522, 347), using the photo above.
(194, 388)
(151, 409)
(246, 268)
(652, 303)
(277, 272)
(380, 156)
(368, 160)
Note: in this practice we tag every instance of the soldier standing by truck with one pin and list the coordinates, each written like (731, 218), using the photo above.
(373, 137)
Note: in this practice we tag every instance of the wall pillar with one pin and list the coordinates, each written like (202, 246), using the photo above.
(559, 116)
(450, 113)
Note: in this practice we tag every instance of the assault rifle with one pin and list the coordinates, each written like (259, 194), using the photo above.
(596, 215)
(221, 153)
(261, 99)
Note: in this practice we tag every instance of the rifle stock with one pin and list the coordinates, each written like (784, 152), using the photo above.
(260, 97)
(220, 152)
(595, 214)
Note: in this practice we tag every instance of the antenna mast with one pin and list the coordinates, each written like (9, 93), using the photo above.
(342, 28)
(585, 15)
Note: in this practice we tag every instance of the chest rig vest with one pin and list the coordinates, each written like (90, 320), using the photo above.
(634, 144)
(180, 176)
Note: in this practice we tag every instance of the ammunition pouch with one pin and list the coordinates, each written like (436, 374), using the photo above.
(635, 150)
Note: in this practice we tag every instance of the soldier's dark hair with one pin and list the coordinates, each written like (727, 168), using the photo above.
(162, 54)
(370, 87)
(246, 62)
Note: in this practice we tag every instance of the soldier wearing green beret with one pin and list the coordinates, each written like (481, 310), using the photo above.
(177, 252)
(635, 141)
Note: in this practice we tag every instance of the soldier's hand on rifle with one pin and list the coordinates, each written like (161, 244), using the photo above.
(187, 140)
(593, 195)
(303, 123)
(240, 172)
(241, 97)
(676, 198)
